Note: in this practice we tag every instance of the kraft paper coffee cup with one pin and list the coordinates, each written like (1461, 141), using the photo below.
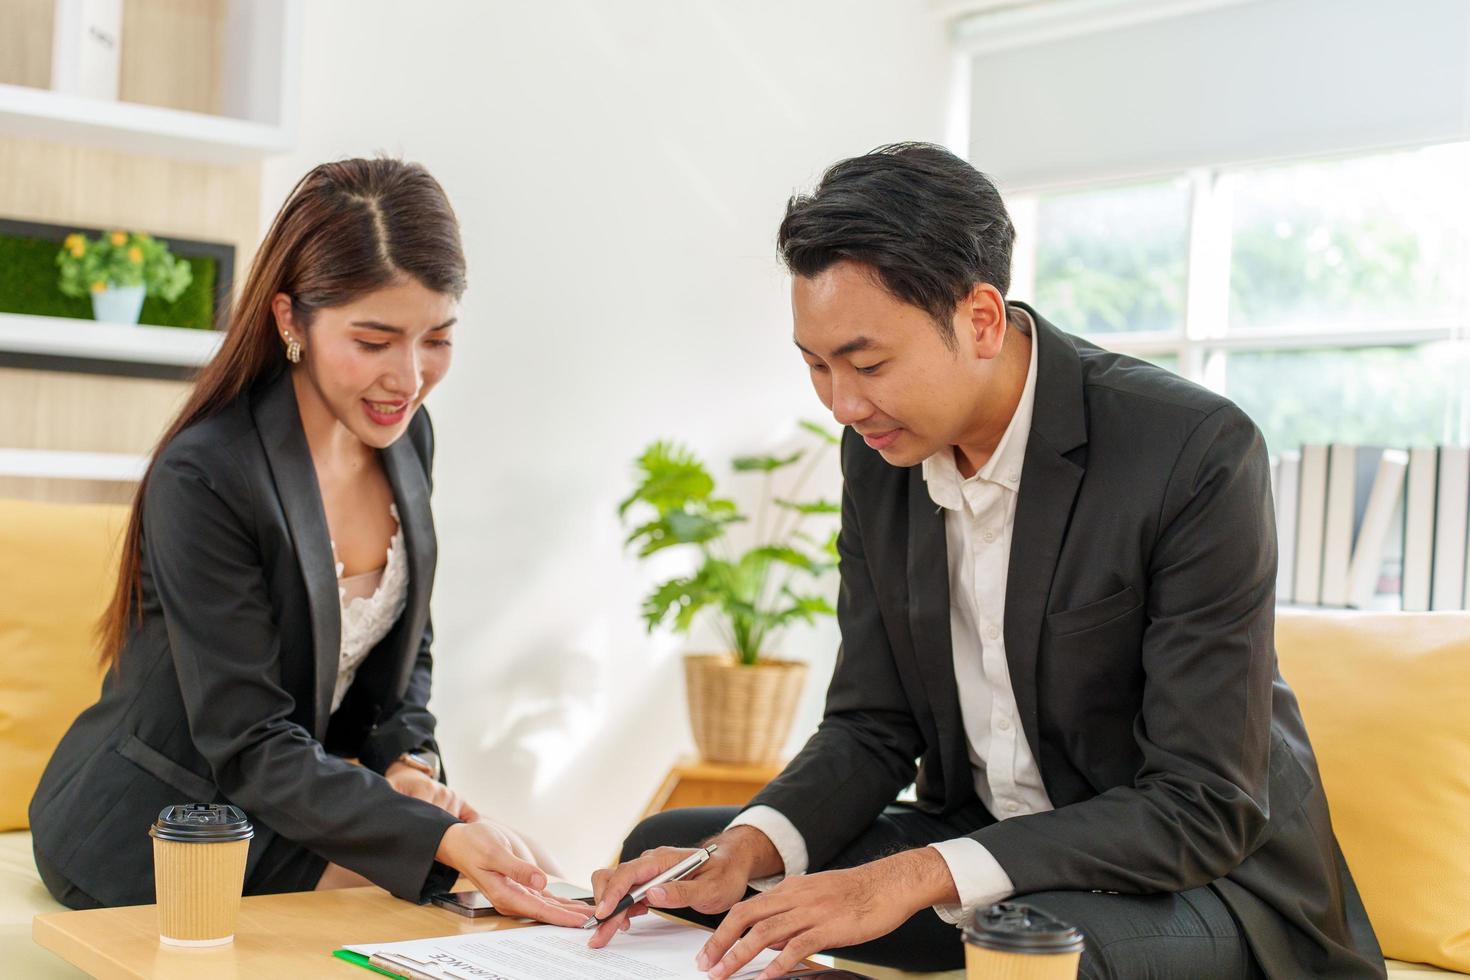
(199, 871)
(1013, 941)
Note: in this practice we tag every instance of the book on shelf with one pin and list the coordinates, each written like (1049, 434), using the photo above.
(1419, 528)
(1374, 523)
(1452, 514)
(1310, 519)
(1288, 469)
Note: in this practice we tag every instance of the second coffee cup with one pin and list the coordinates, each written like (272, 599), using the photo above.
(1013, 941)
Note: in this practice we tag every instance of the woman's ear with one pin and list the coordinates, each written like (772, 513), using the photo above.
(285, 322)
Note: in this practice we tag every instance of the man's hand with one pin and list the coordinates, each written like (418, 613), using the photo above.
(420, 785)
(515, 887)
(743, 853)
(828, 910)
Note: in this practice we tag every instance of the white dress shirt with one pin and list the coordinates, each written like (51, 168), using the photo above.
(979, 514)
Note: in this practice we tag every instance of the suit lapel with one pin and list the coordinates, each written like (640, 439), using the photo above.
(929, 626)
(1049, 484)
(411, 493)
(284, 440)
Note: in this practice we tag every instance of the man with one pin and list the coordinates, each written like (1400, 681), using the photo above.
(1057, 567)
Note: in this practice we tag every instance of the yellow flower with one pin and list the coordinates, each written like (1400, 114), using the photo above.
(135, 255)
(99, 287)
(74, 241)
(78, 250)
(119, 238)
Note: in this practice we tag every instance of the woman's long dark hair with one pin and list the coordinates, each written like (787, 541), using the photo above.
(346, 229)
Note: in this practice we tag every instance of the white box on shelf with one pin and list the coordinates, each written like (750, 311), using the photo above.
(86, 48)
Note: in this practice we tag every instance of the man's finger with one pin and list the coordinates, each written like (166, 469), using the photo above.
(742, 916)
(699, 894)
(761, 935)
(599, 882)
(796, 949)
(625, 877)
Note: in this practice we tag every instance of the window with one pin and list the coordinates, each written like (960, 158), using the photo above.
(1329, 299)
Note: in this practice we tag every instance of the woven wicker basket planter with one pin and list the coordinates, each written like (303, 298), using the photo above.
(741, 714)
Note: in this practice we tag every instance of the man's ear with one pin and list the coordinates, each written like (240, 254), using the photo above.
(980, 321)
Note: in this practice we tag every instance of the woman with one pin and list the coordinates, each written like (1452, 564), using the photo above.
(271, 617)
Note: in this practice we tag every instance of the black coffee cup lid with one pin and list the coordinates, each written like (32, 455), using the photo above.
(1015, 927)
(201, 823)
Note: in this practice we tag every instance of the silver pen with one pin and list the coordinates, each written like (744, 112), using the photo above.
(681, 870)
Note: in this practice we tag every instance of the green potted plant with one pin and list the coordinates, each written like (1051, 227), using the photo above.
(118, 270)
(741, 702)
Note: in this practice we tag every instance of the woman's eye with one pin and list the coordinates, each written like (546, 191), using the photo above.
(367, 345)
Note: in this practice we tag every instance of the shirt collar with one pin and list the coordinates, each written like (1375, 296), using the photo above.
(941, 474)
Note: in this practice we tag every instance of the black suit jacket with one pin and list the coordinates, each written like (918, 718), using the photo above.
(1139, 636)
(223, 692)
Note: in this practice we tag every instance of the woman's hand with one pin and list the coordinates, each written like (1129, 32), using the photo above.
(421, 786)
(484, 854)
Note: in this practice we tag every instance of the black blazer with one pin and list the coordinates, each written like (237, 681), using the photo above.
(1139, 636)
(223, 692)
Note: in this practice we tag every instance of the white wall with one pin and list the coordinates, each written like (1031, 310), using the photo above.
(619, 170)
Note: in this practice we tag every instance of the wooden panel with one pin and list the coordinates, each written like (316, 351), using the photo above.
(172, 53)
(25, 42)
(66, 491)
(84, 412)
(61, 184)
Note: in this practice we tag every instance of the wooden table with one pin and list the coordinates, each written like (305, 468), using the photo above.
(290, 935)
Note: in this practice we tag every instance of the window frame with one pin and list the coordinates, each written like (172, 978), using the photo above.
(1205, 340)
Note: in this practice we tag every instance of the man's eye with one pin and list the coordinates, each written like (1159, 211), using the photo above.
(819, 368)
(871, 369)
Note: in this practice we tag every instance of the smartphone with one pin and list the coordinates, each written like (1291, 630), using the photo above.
(473, 904)
(570, 892)
(470, 903)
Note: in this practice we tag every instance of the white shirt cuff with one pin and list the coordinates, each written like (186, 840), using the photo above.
(978, 877)
(789, 843)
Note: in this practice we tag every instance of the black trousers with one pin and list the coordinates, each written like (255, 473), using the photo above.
(1189, 935)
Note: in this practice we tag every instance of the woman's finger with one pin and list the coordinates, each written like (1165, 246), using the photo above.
(517, 901)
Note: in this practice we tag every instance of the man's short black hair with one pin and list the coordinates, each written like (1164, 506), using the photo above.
(929, 224)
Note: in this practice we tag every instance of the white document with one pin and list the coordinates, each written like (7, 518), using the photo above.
(653, 949)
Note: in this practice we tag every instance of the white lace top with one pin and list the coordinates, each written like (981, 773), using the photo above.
(371, 604)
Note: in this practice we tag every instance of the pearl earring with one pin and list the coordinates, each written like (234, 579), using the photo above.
(293, 350)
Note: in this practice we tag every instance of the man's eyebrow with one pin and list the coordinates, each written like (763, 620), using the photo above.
(389, 328)
(851, 347)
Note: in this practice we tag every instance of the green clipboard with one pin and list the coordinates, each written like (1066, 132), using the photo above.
(357, 959)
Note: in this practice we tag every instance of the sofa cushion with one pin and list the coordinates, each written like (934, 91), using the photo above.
(57, 573)
(23, 897)
(1386, 698)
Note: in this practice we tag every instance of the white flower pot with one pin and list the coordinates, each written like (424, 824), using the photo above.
(118, 304)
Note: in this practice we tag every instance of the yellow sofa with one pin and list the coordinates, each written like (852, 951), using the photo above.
(1382, 696)
(1386, 698)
